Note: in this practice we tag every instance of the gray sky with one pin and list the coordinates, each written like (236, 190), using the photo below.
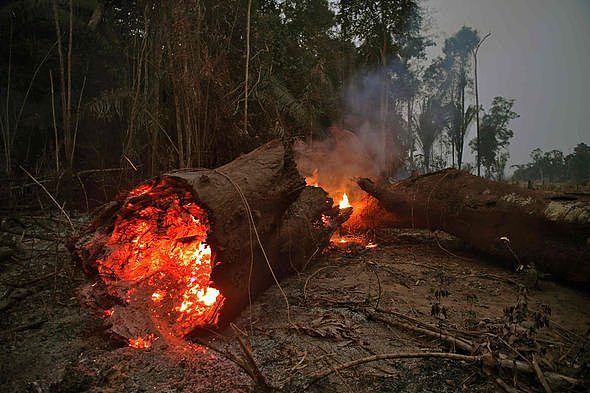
(539, 53)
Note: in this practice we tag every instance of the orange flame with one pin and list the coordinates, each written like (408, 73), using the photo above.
(158, 296)
(159, 260)
(142, 342)
(344, 202)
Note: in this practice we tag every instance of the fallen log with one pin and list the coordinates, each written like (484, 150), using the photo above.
(549, 230)
(190, 249)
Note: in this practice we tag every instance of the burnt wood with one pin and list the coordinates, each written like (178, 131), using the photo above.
(550, 230)
(258, 199)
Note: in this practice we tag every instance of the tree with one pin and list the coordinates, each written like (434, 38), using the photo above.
(495, 137)
(389, 36)
(475, 50)
(431, 123)
(579, 164)
(458, 51)
(43, 118)
(460, 119)
(553, 165)
(539, 165)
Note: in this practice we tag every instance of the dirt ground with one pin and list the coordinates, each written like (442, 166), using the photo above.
(337, 312)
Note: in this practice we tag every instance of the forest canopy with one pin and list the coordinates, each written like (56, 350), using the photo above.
(153, 86)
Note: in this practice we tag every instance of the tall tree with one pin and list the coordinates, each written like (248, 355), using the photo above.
(495, 137)
(431, 123)
(389, 36)
(41, 44)
(451, 73)
(579, 163)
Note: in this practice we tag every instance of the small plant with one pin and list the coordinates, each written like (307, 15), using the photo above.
(541, 317)
(438, 309)
(519, 312)
(522, 323)
(471, 314)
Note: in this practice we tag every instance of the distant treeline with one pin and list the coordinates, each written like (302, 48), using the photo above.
(554, 166)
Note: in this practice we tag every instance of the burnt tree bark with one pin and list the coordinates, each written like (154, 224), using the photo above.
(258, 199)
(550, 230)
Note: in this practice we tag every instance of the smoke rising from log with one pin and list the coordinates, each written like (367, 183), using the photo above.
(335, 162)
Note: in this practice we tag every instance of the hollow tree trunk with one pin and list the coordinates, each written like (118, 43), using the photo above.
(291, 222)
(550, 230)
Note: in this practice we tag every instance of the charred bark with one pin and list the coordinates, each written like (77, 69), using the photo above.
(551, 231)
(261, 216)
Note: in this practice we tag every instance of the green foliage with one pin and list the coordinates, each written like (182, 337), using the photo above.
(30, 63)
(578, 164)
(384, 28)
(431, 123)
(554, 166)
(495, 136)
(162, 84)
(449, 77)
(460, 46)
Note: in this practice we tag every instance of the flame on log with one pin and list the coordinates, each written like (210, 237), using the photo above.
(187, 250)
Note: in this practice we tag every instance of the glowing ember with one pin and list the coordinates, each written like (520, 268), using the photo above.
(371, 245)
(344, 202)
(142, 342)
(158, 296)
(208, 296)
(159, 260)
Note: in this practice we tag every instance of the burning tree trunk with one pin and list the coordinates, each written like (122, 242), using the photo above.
(189, 249)
(550, 230)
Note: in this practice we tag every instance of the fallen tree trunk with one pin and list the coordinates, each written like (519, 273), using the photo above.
(551, 231)
(190, 249)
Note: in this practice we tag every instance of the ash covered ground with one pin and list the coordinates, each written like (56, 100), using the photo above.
(50, 344)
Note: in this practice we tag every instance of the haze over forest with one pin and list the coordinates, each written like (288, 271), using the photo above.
(537, 54)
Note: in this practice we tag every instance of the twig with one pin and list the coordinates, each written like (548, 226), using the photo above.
(540, 375)
(398, 355)
(429, 330)
(495, 277)
(457, 342)
(310, 277)
(378, 283)
(257, 375)
(325, 359)
(51, 197)
(554, 378)
(106, 170)
(505, 386)
(84, 191)
(489, 359)
(228, 355)
(247, 71)
(130, 162)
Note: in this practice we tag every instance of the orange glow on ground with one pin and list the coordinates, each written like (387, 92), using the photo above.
(142, 342)
(160, 262)
(313, 179)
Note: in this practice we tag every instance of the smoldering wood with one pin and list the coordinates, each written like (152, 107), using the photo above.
(549, 230)
(292, 223)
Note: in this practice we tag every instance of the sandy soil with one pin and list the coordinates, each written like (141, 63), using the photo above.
(50, 344)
